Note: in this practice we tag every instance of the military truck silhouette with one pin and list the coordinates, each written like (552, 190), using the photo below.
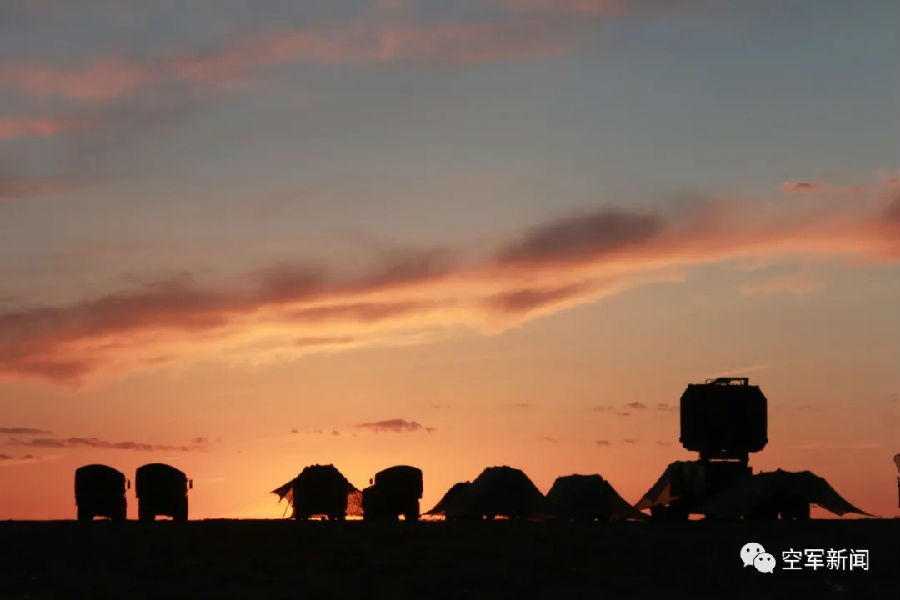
(395, 491)
(100, 492)
(724, 420)
(318, 490)
(162, 490)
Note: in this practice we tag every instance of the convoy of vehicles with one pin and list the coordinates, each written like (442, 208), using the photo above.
(724, 420)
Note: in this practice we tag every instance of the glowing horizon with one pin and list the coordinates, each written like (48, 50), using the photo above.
(368, 233)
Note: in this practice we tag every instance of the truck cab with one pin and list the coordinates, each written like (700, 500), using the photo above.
(100, 492)
(162, 490)
(394, 491)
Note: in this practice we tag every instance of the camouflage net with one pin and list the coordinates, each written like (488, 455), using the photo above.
(354, 496)
(354, 504)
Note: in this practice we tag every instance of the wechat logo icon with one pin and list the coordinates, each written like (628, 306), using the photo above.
(754, 555)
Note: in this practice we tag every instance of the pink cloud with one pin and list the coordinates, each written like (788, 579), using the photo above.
(107, 79)
(387, 33)
(288, 311)
(101, 80)
(12, 128)
(577, 7)
(799, 187)
(469, 43)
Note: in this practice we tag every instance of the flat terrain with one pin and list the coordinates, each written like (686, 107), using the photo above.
(281, 559)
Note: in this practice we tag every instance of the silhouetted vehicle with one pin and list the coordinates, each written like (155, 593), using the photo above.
(318, 490)
(723, 419)
(588, 498)
(395, 491)
(498, 491)
(100, 492)
(161, 490)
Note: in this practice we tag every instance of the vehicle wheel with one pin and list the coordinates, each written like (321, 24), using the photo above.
(337, 517)
(412, 511)
(122, 514)
(84, 514)
(182, 513)
(145, 514)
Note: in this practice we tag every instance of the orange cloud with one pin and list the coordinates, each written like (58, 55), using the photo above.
(419, 296)
(22, 431)
(360, 312)
(79, 442)
(522, 301)
(332, 340)
(394, 426)
(7, 460)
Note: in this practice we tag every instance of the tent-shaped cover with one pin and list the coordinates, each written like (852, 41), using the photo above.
(678, 479)
(768, 493)
(321, 490)
(588, 497)
(497, 491)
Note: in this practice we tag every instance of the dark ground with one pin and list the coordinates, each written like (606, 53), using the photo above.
(282, 559)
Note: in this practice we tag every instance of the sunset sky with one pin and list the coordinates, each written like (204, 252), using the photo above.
(242, 237)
